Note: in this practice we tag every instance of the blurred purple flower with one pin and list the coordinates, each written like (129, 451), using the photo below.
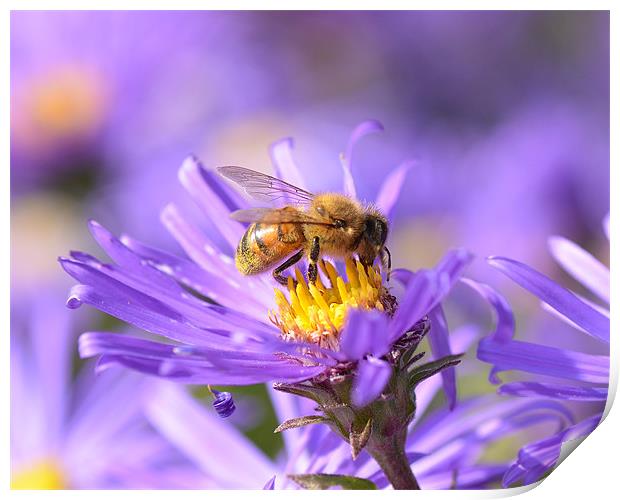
(584, 377)
(86, 434)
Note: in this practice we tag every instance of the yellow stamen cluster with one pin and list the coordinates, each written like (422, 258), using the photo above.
(316, 313)
(41, 475)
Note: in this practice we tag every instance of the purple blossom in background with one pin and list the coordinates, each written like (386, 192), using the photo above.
(561, 374)
(84, 434)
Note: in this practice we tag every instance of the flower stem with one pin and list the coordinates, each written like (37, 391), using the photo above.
(389, 453)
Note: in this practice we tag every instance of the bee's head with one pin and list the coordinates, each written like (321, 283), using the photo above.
(373, 238)
(375, 231)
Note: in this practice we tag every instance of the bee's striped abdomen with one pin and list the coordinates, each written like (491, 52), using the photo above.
(264, 245)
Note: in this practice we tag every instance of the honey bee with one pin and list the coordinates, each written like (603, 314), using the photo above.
(328, 224)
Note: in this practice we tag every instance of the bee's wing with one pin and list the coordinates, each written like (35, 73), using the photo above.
(276, 216)
(264, 187)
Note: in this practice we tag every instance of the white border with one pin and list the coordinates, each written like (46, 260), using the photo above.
(592, 471)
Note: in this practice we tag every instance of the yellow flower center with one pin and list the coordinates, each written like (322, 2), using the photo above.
(41, 475)
(316, 313)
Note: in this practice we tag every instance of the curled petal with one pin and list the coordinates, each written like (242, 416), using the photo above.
(285, 167)
(372, 376)
(364, 128)
(581, 265)
(391, 187)
(558, 297)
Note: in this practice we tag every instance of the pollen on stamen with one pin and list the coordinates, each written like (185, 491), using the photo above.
(317, 312)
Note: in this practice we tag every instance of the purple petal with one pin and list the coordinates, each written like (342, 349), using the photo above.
(460, 341)
(606, 226)
(554, 391)
(270, 485)
(208, 283)
(504, 318)
(470, 477)
(544, 360)
(558, 297)
(215, 446)
(203, 253)
(426, 289)
(372, 376)
(415, 303)
(581, 265)
(365, 332)
(364, 128)
(193, 180)
(439, 341)
(480, 418)
(535, 459)
(285, 167)
(391, 187)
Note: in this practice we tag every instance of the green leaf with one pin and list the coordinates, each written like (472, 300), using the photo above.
(326, 481)
(359, 435)
(293, 423)
(422, 372)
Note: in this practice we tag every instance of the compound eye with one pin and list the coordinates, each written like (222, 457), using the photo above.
(339, 223)
(321, 211)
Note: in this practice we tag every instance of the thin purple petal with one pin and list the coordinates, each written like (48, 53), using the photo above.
(554, 391)
(558, 297)
(285, 167)
(391, 187)
(193, 180)
(439, 341)
(364, 128)
(544, 360)
(270, 485)
(581, 265)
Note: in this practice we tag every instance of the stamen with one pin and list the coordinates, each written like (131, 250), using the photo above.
(317, 312)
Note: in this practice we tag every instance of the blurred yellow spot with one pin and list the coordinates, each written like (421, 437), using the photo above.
(42, 475)
(62, 104)
(316, 313)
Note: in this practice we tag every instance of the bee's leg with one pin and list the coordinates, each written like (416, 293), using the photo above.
(386, 261)
(277, 272)
(314, 257)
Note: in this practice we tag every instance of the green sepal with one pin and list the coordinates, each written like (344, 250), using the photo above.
(294, 423)
(306, 391)
(326, 481)
(422, 372)
(359, 435)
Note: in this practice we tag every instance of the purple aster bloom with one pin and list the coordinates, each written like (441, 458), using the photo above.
(561, 374)
(229, 329)
(84, 434)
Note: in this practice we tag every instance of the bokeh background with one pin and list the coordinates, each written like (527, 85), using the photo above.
(505, 115)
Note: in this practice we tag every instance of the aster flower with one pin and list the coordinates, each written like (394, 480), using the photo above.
(321, 343)
(562, 374)
(84, 434)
